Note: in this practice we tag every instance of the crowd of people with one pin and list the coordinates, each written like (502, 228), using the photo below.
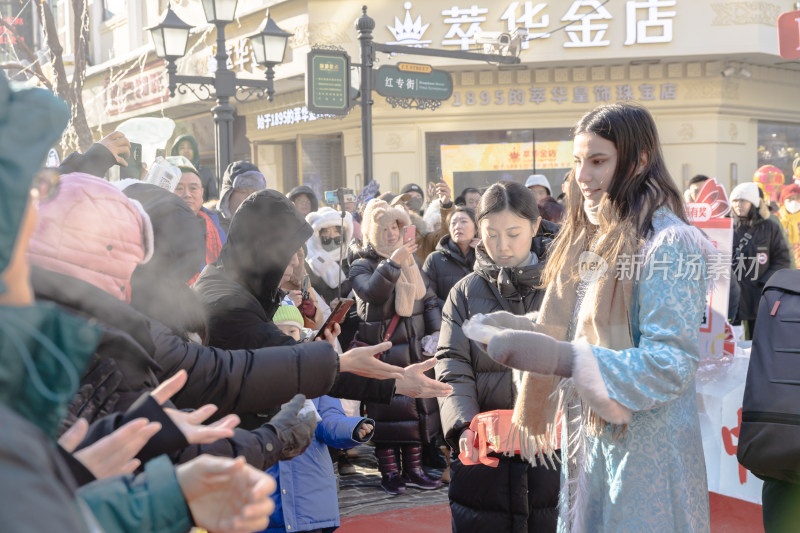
(168, 359)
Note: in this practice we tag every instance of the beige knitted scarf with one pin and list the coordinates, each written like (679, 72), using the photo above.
(603, 319)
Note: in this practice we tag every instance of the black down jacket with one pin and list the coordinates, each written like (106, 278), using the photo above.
(759, 250)
(240, 292)
(514, 497)
(238, 381)
(446, 266)
(404, 420)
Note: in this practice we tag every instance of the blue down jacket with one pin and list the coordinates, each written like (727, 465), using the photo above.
(306, 496)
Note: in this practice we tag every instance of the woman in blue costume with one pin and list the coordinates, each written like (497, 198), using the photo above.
(613, 353)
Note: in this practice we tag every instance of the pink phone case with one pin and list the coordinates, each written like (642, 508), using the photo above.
(410, 232)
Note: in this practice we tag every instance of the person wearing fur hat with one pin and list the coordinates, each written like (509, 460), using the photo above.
(391, 289)
(759, 250)
(789, 215)
(241, 179)
(325, 251)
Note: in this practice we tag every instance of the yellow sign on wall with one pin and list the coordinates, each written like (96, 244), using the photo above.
(504, 156)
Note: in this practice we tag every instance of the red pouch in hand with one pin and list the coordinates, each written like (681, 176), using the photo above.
(491, 430)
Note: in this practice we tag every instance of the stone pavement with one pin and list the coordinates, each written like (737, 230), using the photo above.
(361, 493)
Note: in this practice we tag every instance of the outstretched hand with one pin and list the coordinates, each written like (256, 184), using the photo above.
(416, 384)
(191, 422)
(362, 361)
(532, 352)
(506, 320)
(226, 495)
(115, 453)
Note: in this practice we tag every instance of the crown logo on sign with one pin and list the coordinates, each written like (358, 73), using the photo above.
(409, 31)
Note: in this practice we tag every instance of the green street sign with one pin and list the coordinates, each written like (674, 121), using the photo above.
(411, 80)
(328, 82)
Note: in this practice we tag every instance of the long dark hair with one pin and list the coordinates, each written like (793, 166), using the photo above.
(640, 185)
(509, 195)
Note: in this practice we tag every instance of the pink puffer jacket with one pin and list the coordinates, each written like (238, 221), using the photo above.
(93, 232)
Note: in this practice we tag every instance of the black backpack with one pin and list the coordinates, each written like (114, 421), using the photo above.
(769, 438)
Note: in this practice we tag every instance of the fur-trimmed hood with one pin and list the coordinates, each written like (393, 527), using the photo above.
(328, 217)
(325, 263)
(377, 216)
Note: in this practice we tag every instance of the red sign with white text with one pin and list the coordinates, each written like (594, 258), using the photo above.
(789, 35)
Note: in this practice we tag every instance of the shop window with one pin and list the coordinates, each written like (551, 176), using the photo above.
(321, 162)
(481, 158)
(779, 146)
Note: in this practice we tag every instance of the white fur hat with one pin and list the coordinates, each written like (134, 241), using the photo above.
(327, 217)
(746, 191)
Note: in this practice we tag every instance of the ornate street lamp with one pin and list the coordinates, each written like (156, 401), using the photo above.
(170, 38)
(219, 11)
(269, 46)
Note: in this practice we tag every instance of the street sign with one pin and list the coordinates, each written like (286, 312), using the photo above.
(328, 82)
(411, 80)
(789, 35)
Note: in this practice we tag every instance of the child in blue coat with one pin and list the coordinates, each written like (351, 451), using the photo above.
(306, 497)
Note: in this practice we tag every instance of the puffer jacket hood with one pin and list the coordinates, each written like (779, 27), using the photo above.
(265, 232)
(196, 157)
(158, 287)
(93, 232)
(233, 170)
(304, 189)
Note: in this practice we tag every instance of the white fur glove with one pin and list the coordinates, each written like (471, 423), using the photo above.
(532, 352)
(506, 320)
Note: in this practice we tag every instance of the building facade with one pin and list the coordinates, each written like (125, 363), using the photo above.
(709, 71)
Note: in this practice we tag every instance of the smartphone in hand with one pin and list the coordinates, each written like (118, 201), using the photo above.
(409, 234)
(336, 317)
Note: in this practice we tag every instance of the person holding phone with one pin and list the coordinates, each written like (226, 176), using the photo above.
(395, 300)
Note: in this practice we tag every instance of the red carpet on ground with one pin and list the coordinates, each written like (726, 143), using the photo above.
(728, 515)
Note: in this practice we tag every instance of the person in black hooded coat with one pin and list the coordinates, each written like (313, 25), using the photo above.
(514, 497)
(759, 250)
(241, 291)
(454, 256)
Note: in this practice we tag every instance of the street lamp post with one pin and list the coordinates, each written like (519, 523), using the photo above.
(171, 37)
(364, 26)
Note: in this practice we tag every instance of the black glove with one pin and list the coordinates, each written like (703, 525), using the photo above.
(97, 396)
(295, 432)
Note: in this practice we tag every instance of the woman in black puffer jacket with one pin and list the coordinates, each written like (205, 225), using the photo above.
(759, 250)
(455, 254)
(387, 282)
(514, 497)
